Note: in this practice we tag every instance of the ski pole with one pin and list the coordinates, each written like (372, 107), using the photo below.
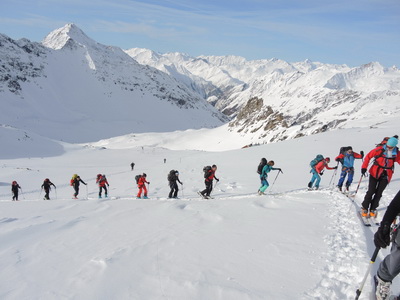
(55, 190)
(334, 174)
(183, 194)
(358, 186)
(22, 193)
(276, 177)
(373, 258)
(87, 193)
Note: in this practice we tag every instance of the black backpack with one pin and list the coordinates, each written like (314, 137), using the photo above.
(137, 177)
(261, 165)
(171, 175)
(206, 171)
(343, 151)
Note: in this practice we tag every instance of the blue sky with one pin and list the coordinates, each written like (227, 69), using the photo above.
(351, 32)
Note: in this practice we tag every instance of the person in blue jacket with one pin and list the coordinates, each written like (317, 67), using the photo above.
(347, 159)
(264, 176)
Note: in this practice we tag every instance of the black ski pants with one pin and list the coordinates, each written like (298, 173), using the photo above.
(76, 188)
(174, 190)
(375, 190)
(47, 194)
(15, 196)
(105, 190)
(208, 189)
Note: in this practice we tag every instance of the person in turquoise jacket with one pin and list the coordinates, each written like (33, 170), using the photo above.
(264, 176)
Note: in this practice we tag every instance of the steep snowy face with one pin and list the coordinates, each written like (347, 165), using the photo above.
(275, 100)
(76, 83)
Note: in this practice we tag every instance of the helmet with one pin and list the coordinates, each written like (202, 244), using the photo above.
(98, 175)
(14, 182)
(327, 159)
(104, 175)
(144, 175)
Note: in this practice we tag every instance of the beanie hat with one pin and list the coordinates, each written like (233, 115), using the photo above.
(392, 142)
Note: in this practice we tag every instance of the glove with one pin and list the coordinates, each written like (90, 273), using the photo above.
(337, 159)
(335, 167)
(217, 179)
(363, 171)
(148, 182)
(362, 153)
(382, 236)
(280, 170)
(108, 185)
(321, 173)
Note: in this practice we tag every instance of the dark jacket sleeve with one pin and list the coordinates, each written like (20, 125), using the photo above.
(392, 210)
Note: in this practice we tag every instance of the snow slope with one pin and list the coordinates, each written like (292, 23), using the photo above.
(71, 87)
(290, 244)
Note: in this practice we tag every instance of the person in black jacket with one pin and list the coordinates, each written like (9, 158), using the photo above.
(75, 183)
(173, 177)
(390, 266)
(14, 188)
(47, 187)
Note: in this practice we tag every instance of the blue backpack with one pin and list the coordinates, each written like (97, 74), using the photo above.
(316, 160)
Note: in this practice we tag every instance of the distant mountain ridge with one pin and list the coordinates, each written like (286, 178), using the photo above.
(274, 100)
(72, 88)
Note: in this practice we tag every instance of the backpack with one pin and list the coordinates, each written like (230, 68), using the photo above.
(261, 165)
(137, 177)
(206, 170)
(343, 151)
(316, 160)
(171, 175)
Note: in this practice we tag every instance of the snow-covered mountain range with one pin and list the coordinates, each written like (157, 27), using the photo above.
(275, 100)
(71, 88)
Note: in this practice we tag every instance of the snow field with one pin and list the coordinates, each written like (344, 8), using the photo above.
(290, 244)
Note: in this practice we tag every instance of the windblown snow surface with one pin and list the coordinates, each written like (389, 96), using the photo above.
(288, 244)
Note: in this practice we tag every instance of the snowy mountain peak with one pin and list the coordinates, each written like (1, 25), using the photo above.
(58, 38)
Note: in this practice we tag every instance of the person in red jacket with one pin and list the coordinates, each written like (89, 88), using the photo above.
(380, 174)
(142, 186)
(103, 183)
(317, 171)
(209, 176)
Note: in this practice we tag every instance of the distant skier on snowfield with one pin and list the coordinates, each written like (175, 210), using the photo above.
(380, 174)
(173, 178)
(75, 182)
(141, 182)
(264, 176)
(101, 180)
(47, 187)
(317, 166)
(389, 268)
(346, 158)
(132, 166)
(209, 175)
(14, 188)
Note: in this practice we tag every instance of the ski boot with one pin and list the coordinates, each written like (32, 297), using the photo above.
(145, 197)
(382, 288)
(364, 212)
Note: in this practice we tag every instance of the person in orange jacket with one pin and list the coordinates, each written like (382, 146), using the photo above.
(142, 186)
(317, 171)
(380, 174)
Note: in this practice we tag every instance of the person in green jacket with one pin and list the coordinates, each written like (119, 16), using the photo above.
(264, 176)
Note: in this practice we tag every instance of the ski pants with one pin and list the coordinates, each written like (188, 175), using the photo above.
(174, 190)
(47, 194)
(142, 188)
(208, 189)
(15, 195)
(105, 190)
(350, 174)
(315, 178)
(390, 266)
(375, 190)
(76, 188)
(264, 184)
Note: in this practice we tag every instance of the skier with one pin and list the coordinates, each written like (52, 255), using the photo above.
(75, 182)
(317, 171)
(264, 176)
(47, 187)
(380, 174)
(173, 177)
(347, 159)
(389, 268)
(209, 175)
(101, 180)
(132, 166)
(14, 188)
(142, 186)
